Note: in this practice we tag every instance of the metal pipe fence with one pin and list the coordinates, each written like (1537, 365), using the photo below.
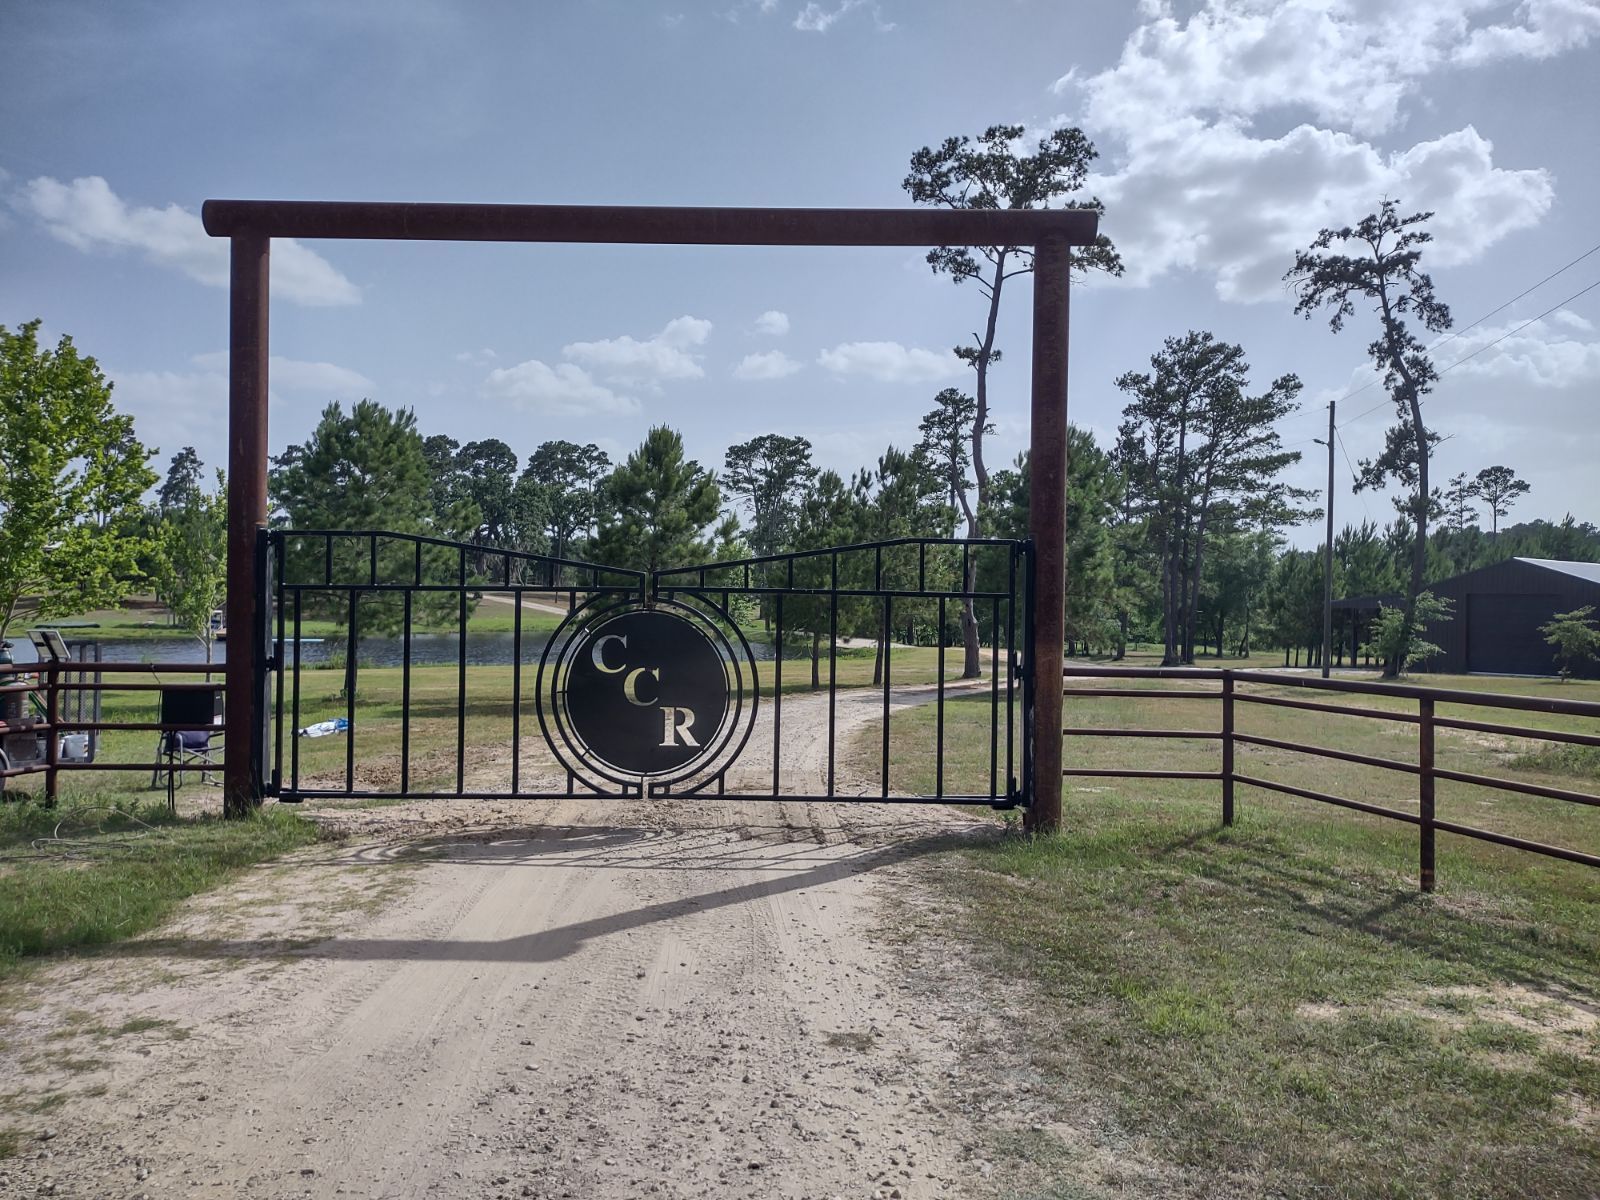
(1229, 694)
(67, 697)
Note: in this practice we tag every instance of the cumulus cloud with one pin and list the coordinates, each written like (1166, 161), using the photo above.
(1214, 198)
(774, 364)
(626, 361)
(889, 362)
(1237, 133)
(477, 358)
(1548, 28)
(773, 323)
(1551, 354)
(563, 390)
(89, 216)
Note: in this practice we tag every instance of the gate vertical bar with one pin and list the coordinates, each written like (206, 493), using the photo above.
(938, 746)
(405, 692)
(516, 687)
(1047, 524)
(777, 699)
(352, 664)
(888, 634)
(247, 511)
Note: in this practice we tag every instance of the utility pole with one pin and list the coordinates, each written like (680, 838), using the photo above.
(1327, 559)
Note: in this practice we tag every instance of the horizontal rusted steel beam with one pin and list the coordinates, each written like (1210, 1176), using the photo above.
(648, 225)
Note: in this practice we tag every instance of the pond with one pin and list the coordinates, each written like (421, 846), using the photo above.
(427, 649)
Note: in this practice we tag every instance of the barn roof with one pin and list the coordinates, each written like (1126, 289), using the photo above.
(1587, 571)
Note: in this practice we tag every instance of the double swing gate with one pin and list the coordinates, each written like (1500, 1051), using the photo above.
(398, 666)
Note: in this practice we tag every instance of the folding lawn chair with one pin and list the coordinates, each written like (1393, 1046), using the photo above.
(200, 709)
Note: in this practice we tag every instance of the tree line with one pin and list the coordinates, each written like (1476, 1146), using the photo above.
(1176, 531)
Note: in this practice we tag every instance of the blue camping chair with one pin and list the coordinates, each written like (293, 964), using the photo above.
(200, 744)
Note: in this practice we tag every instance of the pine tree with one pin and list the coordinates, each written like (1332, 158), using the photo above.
(656, 508)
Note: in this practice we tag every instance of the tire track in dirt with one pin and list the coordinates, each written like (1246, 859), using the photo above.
(591, 998)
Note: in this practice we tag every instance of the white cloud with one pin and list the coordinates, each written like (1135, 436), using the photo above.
(774, 364)
(172, 409)
(632, 363)
(1198, 186)
(477, 358)
(1548, 28)
(299, 374)
(190, 408)
(89, 216)
(889, 362)
(1213, 198)
(773, 322)
(1348, 63)
(1547, 355)
(563, 390)
(814, 18)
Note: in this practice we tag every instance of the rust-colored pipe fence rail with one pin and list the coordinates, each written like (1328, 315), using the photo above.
(52, 681)
(1426, 771)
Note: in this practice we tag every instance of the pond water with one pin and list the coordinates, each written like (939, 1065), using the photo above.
(427, 649)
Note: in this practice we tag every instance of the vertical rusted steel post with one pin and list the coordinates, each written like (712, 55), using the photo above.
(1227, 747)
(1425, 786)
(52, 737)
(1047, 523)
(247, 513)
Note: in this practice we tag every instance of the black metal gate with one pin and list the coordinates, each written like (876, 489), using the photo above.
(407, 666)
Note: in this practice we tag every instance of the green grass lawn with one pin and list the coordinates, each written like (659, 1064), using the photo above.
(433, 720)
(101, 868)
(1274, 1009)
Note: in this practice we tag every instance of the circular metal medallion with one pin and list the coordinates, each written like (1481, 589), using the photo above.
(650, 697)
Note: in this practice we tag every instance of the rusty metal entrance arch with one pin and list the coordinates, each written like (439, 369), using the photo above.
(252, 224)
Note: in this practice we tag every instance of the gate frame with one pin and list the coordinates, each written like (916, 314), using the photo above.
(252, 224)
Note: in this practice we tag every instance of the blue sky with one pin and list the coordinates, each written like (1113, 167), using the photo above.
(1229, 133)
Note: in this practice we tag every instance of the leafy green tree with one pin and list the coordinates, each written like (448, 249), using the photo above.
(1196, 447)
(1294, 603)
(567, 477)
(185, 479)
(1385, 272)
(1233, 590)
(1092, 491)
(71, 477)
(444, 477)
(1575, 637)
(657, 508)
(488, 471)
(998, 172)
(898, 498)
(771, 474)
(828, 516)
(365, 470)
(1399, 641)
(1500, 489)
(191, 558)
(361, 470)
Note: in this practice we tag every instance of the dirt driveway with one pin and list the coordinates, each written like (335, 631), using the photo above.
(554, 999)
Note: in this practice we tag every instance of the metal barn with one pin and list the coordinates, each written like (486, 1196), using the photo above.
(1498, 611)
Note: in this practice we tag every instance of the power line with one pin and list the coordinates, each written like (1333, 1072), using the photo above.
(1518, 296)
(1338, 436)
(1488, 345)
(1450, 337)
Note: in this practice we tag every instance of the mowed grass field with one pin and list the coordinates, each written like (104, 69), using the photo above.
(1274, 1008)
(435, 700)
